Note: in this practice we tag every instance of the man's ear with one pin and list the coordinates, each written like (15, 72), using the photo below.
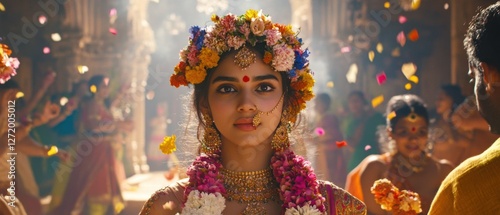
(491, 76)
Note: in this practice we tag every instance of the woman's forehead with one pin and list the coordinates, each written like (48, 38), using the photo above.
(228, 67)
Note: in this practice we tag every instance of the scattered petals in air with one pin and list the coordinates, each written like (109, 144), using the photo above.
(112, 12)
(414, 79)
(345, 49)
(409, 69)
(371, 55)
(377, 101)
(413, 35)
(367, 147)
(341, 144)
(113, 31)
(401, 38)
(402, 19)
(319, 131)
(2, 8)
(408, 86)
(380, 48)
(168, 145)
(381, 78)
(42, 19)
(330, 84)
(46, 50)
(396, 52)
(391, 115)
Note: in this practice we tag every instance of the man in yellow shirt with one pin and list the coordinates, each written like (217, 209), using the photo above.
(473, 187)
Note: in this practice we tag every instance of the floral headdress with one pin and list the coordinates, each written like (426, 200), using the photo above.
(283, 52)
(8, 65)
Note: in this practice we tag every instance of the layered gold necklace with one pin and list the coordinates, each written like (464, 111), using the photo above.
(252, 188)
(415, 165)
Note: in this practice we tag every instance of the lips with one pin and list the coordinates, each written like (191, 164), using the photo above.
(244, 124)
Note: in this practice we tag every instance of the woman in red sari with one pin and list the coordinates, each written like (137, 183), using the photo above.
(93, 187)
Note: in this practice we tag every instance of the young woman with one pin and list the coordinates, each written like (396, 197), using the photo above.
(93, 187)
(406, 163)
(251, 80)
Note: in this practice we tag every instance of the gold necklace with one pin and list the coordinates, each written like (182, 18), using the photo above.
(416, 167)
(253, 188)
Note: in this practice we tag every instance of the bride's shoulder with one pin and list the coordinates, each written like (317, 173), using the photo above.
(167, 200)
(339, 201)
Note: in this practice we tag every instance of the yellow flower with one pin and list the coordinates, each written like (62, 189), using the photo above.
(195, 75)
(308, 79)
(251, 13)
(214, 18)
(209, 58)
(168, 145)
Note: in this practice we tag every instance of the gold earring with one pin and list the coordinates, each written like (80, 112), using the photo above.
(280, 140)
(211, 140)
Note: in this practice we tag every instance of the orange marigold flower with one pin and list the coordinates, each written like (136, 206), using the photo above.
(178, 80)
(268, 57)
(195, 75)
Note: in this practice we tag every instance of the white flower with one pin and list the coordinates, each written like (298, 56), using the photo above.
(257, 26)
(306, 210)
(283, 57)
(204, 203)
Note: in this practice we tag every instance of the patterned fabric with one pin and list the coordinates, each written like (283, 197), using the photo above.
(338, 201)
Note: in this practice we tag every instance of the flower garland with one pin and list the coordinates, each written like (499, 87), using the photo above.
(8, 65)
(390, 198)
(299, 189)
(282, 51)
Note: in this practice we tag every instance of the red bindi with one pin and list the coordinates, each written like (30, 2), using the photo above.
(246, 78)
(413, 129)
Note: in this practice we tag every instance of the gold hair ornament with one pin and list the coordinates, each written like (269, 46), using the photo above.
(245, 57)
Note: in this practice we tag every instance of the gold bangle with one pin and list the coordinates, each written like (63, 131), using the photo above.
(52, 151)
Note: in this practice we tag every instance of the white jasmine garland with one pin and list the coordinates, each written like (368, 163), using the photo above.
(204, 203)
(306, 210)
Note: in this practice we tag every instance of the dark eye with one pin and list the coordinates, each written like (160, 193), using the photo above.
(225, 89)
(265, 88)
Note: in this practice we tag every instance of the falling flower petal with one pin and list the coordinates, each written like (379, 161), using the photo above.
(387, 4)
(380, 48)
(413, 35)
(381, 78)
(377, 101)
(367, 147)
(408, 86)
(371, 55)
(63, 101)
(346, 49)
(19, 94)
(168, 145)
(46, 50)
(352, 73)
(391, 115)
(415, 4)
(42, 19)
(82, 69)
(341, 144)
(319, 131)
(56, 37)
(402, 19)
(414, 79)
(113, 31)
(396, 52)
(330, 84)
(2, 8)
(446, 6)
(409, 69)
(401, 38)
(112, 12)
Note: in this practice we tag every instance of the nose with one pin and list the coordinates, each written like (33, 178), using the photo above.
(246, 102)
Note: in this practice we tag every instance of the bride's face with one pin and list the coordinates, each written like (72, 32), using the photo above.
(411, 136)
(236, 95)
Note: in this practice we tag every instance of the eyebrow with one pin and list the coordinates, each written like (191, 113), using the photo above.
(233, 79)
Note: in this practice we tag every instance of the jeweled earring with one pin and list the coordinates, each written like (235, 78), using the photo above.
(280, 139)
(211, 140)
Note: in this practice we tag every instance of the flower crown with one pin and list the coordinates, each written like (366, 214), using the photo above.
(282, 52)
(8, 65)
